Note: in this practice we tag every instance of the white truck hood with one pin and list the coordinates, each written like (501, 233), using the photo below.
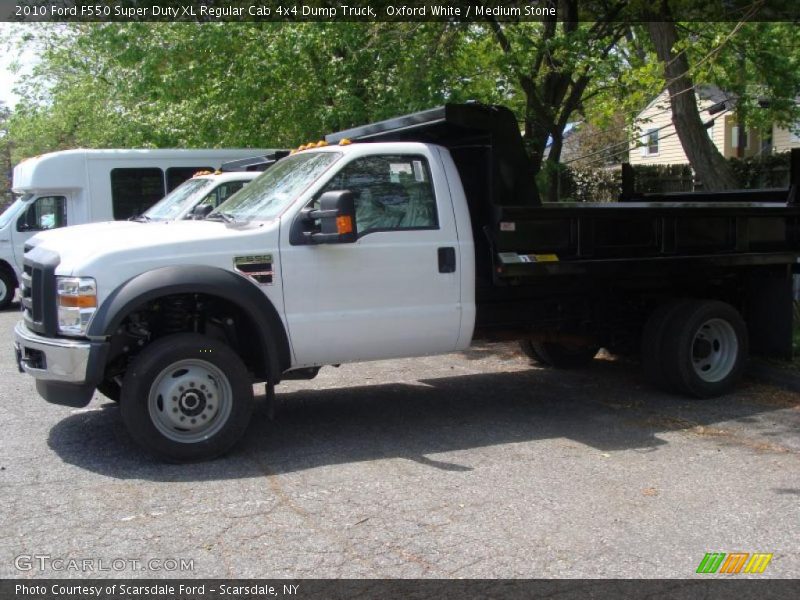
(113, 252)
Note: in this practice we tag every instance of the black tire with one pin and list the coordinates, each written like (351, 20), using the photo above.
(704, 349)
(8, 286)
(559, 356)
(150, 419)
(110, 389)
(653, 342)
(528, 349)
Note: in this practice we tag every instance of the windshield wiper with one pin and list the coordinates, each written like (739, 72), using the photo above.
(141, 218)
(221, 216)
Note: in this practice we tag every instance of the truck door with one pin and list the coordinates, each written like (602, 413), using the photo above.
(396, 290)
(46, 212)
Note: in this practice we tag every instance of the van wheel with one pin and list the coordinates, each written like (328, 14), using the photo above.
(653, 342)
(559, 356)
(110, 389)
(187, 397)
(7, 288)
(704, 349)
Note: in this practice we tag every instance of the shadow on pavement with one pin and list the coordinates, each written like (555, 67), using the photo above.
(605, 407)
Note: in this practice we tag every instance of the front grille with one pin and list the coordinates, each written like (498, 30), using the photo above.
(38, 288)
(26, 289)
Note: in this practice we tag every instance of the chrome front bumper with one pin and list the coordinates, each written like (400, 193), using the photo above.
(51, 359)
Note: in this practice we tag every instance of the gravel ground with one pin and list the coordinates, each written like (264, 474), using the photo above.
(473, 465)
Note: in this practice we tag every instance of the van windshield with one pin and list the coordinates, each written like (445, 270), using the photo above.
(13, 210)
(269, 194)
(179, 200)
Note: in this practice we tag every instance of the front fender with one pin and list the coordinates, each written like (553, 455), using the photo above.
(198, 279)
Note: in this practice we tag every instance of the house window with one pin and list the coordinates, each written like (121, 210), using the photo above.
(735, 137)
(651, 141)
(795, 135)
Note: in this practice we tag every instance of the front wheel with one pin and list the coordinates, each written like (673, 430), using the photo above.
(7, 288)
(187, 397)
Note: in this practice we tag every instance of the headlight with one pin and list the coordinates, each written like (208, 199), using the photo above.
(77, 301)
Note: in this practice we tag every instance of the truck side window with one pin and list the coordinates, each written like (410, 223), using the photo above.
(47, 212)
(177, 175)
(393, 193)
(222, 193)
(133, 191)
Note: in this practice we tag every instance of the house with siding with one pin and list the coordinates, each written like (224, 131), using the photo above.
(656, 142)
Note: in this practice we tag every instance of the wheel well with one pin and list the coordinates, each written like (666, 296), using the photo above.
(206, 314)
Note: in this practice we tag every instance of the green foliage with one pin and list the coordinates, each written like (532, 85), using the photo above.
(580, 184)
(238, 84)
(282, 84)
(770, 171)
(5, 157)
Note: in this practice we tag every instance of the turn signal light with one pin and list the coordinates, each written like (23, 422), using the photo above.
(77, 301)
(344, 225)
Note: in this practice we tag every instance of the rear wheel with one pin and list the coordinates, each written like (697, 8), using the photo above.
(186, 398)
(529, 350)
(560, 356)
(7, 288)
(653, 341)
(704, 349)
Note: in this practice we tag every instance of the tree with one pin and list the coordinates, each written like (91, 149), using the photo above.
(5, 156)
(559, 64)
(706, 160)
(239, 84)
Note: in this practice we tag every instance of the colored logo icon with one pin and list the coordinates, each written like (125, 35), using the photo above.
(734, 562)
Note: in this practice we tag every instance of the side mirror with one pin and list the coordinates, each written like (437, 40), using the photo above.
(201, 211)
(337, 216)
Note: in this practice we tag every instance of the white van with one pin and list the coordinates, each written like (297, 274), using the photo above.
(83, 186)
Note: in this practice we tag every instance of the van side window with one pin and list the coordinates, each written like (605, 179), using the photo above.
(177, 175)
(133, 191)
(47, 212)
(393, 193)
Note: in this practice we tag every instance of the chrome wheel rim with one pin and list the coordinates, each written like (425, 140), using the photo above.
(715, 348)
(3, 290)
(190, 401)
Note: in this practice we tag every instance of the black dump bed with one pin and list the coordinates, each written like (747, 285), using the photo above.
(519, 239)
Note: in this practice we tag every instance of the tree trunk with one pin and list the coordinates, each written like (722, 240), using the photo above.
(709, 165)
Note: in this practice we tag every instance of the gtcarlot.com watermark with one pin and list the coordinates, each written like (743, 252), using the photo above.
(58, 564)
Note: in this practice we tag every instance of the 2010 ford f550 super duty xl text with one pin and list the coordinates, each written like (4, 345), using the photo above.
(424, 235)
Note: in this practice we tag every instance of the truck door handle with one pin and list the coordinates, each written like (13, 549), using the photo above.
(447, 260)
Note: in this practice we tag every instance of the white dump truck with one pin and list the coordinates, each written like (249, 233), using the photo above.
(408, 237)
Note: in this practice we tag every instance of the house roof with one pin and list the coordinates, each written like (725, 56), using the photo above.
(704, 91)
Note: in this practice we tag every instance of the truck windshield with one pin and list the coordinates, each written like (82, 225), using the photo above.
(13, 210)
(179, 200)
(269, 194)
